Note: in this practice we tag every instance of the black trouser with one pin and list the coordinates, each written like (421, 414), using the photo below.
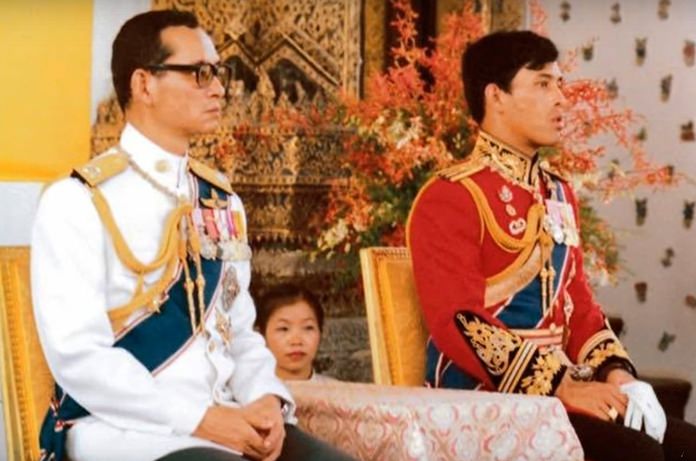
(605, 441)
(297, 446)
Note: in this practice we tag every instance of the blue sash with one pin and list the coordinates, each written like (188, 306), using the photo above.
(152, 342)
(524, 311)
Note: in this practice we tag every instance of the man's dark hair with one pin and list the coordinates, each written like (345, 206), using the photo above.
(139, 44)
(496, 58)
(283, 295)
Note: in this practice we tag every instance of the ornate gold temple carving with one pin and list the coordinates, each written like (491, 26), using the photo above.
(505, 14)
(321, 37)
(497, 14)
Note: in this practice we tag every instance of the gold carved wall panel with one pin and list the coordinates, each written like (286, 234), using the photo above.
(321, 37)
(496, 14)
(505, 14)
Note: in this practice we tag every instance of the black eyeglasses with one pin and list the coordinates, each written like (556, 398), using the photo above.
(204, 72)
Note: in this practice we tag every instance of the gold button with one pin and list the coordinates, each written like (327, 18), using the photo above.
(162, 166)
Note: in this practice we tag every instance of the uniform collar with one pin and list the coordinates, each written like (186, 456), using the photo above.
(164, 167)
(510, 162)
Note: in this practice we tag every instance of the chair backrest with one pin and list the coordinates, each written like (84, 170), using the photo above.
(397, 332)
(27, 383)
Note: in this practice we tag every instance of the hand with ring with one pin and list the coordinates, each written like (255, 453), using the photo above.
(601, 400)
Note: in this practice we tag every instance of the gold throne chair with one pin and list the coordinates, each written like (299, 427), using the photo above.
(27, 383)
(397, 333)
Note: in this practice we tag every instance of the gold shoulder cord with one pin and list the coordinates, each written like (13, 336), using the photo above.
(168, 256)
(179, 230)
(535, 233)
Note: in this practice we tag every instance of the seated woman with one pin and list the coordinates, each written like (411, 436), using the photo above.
(292, 320)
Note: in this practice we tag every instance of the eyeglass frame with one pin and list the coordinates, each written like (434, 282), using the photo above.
(196, 69)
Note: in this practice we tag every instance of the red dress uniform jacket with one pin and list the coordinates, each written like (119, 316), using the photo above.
(499, 272)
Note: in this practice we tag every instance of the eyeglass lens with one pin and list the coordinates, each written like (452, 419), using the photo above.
(206, 72)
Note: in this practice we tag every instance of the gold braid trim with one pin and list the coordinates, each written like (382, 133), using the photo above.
(167, 257)
(102, 168)
(515, 364)
(600, 354)
(505, 287)
(602, 335)
(501, 238)
(524, 246)
(522, 171)
(517, 367)
(494, 346)
(605, 334)
(214, 177)
(166, 249)
(601, 346)
(545, 368)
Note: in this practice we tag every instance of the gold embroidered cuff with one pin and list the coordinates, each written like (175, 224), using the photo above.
(604, 352)
(601, 347)
(514, 365)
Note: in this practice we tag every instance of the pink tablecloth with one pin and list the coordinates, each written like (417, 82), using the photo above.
(384, 423)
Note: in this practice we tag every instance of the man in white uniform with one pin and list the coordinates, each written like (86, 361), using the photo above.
(140, 276)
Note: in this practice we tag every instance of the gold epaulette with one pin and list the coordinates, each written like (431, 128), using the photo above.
(463, 169)
(546, 166)
(101, 168)
(214, 177)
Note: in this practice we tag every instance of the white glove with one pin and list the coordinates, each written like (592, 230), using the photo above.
(643, 408)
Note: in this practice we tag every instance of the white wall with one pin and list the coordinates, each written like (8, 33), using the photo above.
(108, 18)
(17, 205)
(643, 246)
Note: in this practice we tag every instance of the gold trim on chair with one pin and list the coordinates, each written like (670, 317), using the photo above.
(397, 332)
(26, 381)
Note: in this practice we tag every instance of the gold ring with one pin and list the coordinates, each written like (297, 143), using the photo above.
(612, 413)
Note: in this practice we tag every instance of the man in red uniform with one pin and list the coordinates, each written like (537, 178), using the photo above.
(499, 266)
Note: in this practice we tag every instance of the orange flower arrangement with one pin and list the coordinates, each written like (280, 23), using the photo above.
(414, 121)
(408, 127)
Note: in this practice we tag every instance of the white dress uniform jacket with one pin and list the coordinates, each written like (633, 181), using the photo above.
(77, 278)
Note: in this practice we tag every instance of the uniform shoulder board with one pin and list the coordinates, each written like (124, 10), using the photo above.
(462, 169)
(101, 168)
(546, 166)
(214, 177)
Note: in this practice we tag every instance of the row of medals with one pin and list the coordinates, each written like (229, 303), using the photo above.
(517, 226)
(225, 248)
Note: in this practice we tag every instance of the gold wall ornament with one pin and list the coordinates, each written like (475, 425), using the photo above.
(496, 14)
(503, 14)
(107, 128)
(320, 37)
